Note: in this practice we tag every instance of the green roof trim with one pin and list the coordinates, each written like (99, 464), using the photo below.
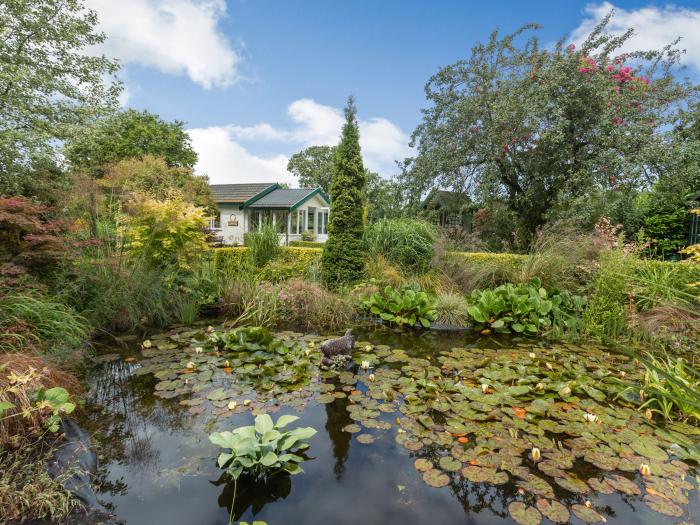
(317, 191)
(260, 195)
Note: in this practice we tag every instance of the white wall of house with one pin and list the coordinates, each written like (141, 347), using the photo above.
(311, 216)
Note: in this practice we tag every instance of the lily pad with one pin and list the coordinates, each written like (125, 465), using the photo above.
(436, 478)
(423, 465)
(624, 485)
(573, 484)
(365, 439)
(352, 428)
(663, 505)
(449, 464)
(523, 514)
(553, 510)
(587, 514)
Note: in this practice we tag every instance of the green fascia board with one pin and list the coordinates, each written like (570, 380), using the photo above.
(260, 195)
(317, 191)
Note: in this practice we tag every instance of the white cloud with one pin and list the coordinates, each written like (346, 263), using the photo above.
(224, 159)
(173, 36)
(654, 27)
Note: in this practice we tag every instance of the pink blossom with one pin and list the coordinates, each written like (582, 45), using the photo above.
(617, 121)
(570, 48)
(611, 68)
(583, 70)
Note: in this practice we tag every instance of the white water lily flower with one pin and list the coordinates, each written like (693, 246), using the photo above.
(549, 365)
(531, 355)
(246, 402)
(535, 453)
(232, 405)
(365, 365)
(591, 418)
(187, 381)
(191, 364)
(539, 386)
(146, 343)
(484, 388)
(371, 377)
(198, 350)
(210, 329)
(644, 469)
(307, 352)
(588, 503)
(368, 348)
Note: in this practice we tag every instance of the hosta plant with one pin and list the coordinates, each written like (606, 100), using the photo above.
(404, 306)
(524, 309)
(263, 450)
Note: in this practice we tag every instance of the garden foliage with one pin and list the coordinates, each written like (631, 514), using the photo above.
(405, 306)
(408, 243)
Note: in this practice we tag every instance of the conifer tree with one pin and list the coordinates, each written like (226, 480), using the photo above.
(343, 255)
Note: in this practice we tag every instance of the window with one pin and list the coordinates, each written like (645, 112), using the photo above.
(311, 220)
(279, 219)
(323, 222)
(215, 222)
(253, 221)
(297, 220)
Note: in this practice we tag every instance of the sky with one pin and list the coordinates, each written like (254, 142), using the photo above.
(256, 81)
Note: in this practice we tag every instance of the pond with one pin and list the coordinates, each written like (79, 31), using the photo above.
(440, 428)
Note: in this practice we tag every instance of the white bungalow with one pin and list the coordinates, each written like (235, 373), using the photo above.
(243, 207)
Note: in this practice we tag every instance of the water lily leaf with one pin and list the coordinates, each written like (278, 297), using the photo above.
(536, 486)
(325, 398)
(602, 458)
(352, 428)
(449, 464)
(663, 505)
(587, 514)
(601, 485)
(622, 484)
(553, 510)
(365, 439)
(217, 394)
(436, 478)
(647, 447)
(477, 474)
(423, 464)
(523, 514)
(572, 483)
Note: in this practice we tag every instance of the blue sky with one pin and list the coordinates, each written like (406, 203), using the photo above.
(257, 80)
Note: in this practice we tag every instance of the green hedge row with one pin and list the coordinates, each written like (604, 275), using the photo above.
(306, 244)
(293, 261)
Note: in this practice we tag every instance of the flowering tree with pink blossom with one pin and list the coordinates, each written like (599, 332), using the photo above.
(534, 127)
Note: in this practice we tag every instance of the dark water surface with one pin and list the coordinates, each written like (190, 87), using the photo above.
(158, 466)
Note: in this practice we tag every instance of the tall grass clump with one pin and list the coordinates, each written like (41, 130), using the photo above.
(32, 319)
(263, 245)
(407, 243)
(608, 307)
(308, 306)
(114, 292)
(451, 309)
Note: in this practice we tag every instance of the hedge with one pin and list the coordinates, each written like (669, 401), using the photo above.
(306, 244)
(478, 258)
(293, 261)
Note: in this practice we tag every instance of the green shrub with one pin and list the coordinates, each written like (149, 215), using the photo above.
(292, 262)
(451, 309)
(401, 306)
(263, 245)
(408, 243)
(306, 244)
(523, 309)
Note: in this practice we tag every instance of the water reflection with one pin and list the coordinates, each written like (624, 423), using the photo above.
(251, 494)
(338, 417)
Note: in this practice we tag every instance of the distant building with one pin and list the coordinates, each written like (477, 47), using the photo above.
(449, 209)
(244, 207)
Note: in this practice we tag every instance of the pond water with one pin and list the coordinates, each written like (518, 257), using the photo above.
(422, 443)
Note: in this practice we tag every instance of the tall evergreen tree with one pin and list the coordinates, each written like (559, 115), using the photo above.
(343, 256)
